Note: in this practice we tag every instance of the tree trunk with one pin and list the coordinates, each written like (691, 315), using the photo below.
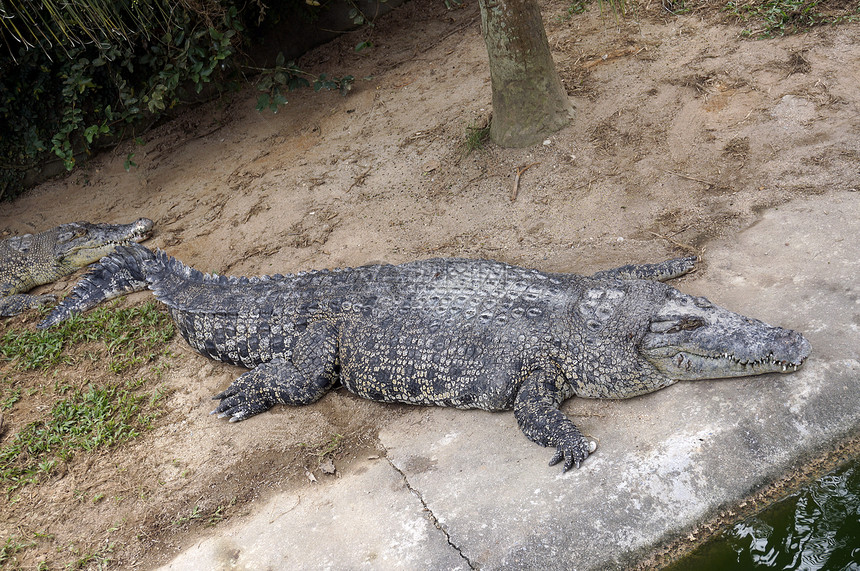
(529, 101)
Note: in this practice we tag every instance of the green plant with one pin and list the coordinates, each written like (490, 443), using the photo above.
(779, 17)
(193, 515)
(91, 417)
(78, 76)
(619, 7)
(329, 446)
(197, 513)
(476, 137)
(11, 547)
(99, 557)
(131, 336)
(9, 401)
(577, 7)
(87, 73)
(286, 76)
(86, 420)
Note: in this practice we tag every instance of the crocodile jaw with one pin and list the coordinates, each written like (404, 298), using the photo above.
(80, 243)
(691, 339)
(686, 365)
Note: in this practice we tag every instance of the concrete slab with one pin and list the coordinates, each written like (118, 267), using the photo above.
(367, 520)
(664, 462)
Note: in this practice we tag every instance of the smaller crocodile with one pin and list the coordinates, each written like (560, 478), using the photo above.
(32, 260)
(450, 332)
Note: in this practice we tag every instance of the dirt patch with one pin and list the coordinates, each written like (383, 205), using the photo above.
(683, 133)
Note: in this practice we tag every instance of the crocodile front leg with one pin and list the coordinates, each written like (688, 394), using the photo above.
(536, 410)
(21, 302)
(302, 380)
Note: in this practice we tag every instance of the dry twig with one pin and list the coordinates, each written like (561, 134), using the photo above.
(689, 177)
(681, 245)
(520, 170)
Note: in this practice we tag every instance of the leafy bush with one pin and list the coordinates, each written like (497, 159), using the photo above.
(79, 75)
(66, 87)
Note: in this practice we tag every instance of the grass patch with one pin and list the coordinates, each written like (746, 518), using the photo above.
(11, 547)
(208, 518)
(84, 416)
(576, 7)
(132, 336)
(771, 18)
(333, 444)
(476, 137)
(84, 421)
(765, 18)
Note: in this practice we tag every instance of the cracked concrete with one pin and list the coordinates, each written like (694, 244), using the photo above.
(433, 518)
(369, 519)
(465, 489)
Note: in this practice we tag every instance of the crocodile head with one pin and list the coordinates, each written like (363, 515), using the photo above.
(78, 244)
(690, 338)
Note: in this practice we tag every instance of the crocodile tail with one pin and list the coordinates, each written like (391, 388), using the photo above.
(173, 283)
(122, 272)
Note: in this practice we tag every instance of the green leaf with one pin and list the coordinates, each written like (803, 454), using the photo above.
(346, 84)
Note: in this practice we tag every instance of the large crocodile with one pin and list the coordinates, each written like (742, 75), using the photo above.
(31, 260)
(451, 332)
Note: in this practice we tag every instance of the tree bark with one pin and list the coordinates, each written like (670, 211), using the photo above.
(529, 101)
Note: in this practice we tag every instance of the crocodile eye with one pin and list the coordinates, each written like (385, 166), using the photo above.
(686, 324)
(660, 326)
(677, 325)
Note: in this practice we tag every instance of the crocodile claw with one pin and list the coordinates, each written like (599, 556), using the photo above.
(573, 455)
(239, 404)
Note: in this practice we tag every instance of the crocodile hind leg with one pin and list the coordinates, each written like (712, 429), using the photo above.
(304, 379)
(21, 302)
(660, 272)
(536, 410)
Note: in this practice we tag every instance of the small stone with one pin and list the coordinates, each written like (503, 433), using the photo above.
(327, 467)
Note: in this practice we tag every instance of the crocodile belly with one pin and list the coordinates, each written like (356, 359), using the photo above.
(439, 369)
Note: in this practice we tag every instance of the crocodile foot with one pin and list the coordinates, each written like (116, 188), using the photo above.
(252, 393)
(573, 451)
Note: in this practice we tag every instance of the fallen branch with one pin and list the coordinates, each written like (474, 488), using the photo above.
(675, 242)
(520, 170)
(689, 177)
(630, 50)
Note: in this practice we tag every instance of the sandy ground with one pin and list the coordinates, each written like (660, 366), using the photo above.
(684, 133)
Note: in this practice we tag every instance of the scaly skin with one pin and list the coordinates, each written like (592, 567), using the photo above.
(452, 332)
(31, 260)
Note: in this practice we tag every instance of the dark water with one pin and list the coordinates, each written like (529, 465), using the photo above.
(817, 528)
